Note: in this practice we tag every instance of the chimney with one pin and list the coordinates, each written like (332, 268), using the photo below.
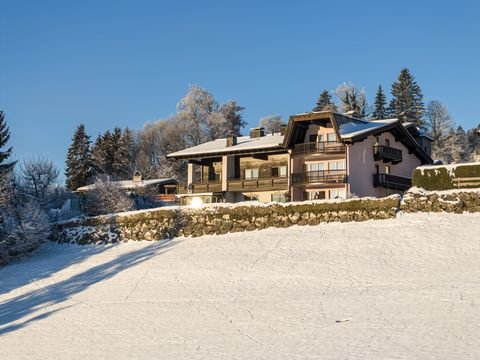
(231, 140)
(283, 129)
(137, 176)
(257, 132)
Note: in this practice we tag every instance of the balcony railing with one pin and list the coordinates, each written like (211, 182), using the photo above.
(392, 181)
(197, 188)
(324, 147)
(387, 153)
(276, 183)
(320, 176)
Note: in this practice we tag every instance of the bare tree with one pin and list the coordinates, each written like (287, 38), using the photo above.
(107, 198)
(37, 176)
(272, 123)
(352, 99)
(440, 124)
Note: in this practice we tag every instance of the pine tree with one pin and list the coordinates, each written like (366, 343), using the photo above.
(4, 155)
(79, 163)
(380, 111)
(407, 102)
(324, 102)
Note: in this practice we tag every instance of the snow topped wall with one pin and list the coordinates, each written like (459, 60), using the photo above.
(162, 223)
(453, 201)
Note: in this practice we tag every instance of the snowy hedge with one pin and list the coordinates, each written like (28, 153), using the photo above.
(442, 177)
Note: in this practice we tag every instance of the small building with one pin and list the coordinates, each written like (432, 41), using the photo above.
(319, 155)
(160, 189)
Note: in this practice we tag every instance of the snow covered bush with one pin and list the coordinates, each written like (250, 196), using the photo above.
(107, 198)
(24, 229)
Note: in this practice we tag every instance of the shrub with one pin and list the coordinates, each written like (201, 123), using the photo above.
(107, 198)
(441, 178)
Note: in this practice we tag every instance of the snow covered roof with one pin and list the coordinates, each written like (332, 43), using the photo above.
(244, 144)
(352, 129)
(130, 184)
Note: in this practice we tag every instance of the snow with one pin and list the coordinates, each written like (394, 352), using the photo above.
(450, 168)
(351, 129)
(130, 184)
(243, 143)
(404, 288)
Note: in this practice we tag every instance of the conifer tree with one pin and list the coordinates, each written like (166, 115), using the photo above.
(324, 102)
(79, 163)
(380, 110)
(407, 101)
(5, 154)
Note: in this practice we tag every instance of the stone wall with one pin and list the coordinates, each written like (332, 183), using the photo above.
(452, 201)
(165, 223)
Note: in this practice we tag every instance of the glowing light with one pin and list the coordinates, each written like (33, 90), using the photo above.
(196, 202)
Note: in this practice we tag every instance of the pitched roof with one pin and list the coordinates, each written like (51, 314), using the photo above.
(130, 184)
(245, 144)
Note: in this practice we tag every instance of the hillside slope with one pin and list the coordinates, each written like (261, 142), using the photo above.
(403, 288)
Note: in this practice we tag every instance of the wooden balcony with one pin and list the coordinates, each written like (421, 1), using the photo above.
(387, 153)
(394, 182)
(198, 188)
(325, 147)
(260, 184)
(320, 176)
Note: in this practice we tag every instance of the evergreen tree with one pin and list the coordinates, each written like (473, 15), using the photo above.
(380, 110)
(98, 155)
(79, 163)
(324, 102)
(5, 154)
(462, 151)
(407, 102)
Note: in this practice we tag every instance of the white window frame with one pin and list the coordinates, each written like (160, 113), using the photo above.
(251, 174)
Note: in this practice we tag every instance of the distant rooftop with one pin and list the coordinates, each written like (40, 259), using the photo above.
(131, 184)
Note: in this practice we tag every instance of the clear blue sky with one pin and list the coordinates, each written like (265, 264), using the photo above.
(123, 63)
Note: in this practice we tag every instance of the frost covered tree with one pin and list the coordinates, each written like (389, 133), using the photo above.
(462, 151)
(233, 115)
(352, 100)
(79, 164)
(380, 106)
(6, 171)
(439, 123)
(272, 123)
(324, 102)
(194, 110)
(37, 178)
(407, 99)
(106, 198)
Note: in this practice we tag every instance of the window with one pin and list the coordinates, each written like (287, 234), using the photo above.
(377, 169)
(315, 167)
(331, 137)
(387, 142)
(312, 138)
(387, 169)
(279, 197)
(251, 174)
(336, 165)
(218, 176)
(280, 171)
(336, 194)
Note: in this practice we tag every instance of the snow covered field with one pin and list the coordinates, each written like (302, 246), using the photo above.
(407, 288)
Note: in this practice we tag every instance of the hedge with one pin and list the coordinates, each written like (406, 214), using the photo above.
(441, 177)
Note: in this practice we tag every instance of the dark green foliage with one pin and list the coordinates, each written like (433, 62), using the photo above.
(5, 167)
(324, 102)
(432, 179)
(407, 103)
(439, 178)
(380, 110)
(79, 164)
(113, 154)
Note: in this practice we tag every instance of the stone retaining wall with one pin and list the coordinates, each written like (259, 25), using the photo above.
(165, 223)
(452, 201)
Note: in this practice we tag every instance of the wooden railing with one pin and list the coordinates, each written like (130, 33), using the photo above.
(392, 181)
(324, 147)
(387, 153)
(320, 176)
(276, 183)
(197, 188)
